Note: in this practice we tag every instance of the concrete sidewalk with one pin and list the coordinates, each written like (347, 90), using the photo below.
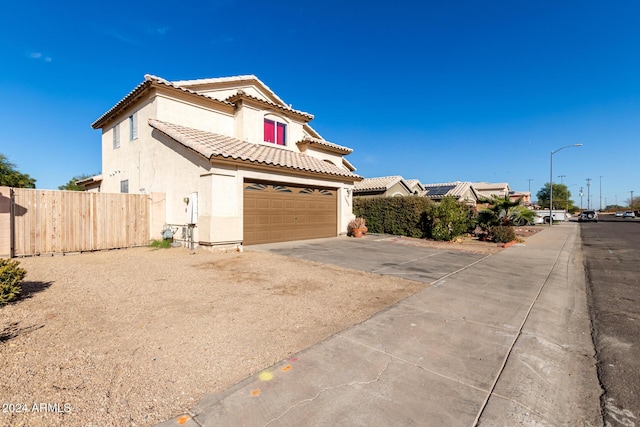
(504, 342)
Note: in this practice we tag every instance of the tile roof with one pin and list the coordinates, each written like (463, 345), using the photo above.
(326, 144)
(348, 164)
(382, 183)
(243, 95)
(249, 78)
(456, 189)
(414, 182)
(138, 91)
(482, 186)
(212, 145)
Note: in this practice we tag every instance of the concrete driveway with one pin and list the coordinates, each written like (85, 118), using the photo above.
(377, 254)
(495, 340)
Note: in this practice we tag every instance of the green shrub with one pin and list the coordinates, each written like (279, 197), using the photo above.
(449, 219)
(414, 216)
(11, 277)
(400, 216)
(503, 233)
(160, 244)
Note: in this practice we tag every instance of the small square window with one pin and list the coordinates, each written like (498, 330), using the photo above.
(116, 136)
(133, 126)
(124, 186)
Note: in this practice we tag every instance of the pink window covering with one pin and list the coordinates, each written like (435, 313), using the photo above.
(281, 131)
(269, 130)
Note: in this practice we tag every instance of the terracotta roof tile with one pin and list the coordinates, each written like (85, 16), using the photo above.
(132, 96)
(326, 144)
(382, 183)
(243, 95)
(213, 145)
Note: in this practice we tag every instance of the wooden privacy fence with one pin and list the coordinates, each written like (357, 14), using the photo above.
(48, 221)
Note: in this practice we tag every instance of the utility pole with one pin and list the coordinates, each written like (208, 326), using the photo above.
(631, 204)
(581, 195)
(588, 193)
(530, 179)
(600, 192)
(561, 176)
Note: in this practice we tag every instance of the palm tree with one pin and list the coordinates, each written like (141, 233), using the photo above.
(504, 211)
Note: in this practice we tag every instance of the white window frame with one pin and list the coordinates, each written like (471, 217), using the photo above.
(116, 136)
(133, 126)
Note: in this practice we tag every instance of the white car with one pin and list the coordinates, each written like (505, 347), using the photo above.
(629, 214)
(619, 214)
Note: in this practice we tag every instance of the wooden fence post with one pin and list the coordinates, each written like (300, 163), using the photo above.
(5, 223)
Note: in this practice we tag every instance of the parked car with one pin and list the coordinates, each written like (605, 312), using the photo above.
(586, 216)
(619, 214)
(629, 214)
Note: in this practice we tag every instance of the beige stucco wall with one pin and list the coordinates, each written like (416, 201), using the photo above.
(152, 163)
(194, 113)
(397, 190)
(319, 153)
(5, 222)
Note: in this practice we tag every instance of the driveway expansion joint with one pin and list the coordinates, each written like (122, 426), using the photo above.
(422, 368)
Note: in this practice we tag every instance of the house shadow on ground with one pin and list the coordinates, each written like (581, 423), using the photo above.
(13, 329)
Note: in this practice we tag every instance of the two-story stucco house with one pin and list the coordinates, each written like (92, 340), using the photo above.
(232, 158)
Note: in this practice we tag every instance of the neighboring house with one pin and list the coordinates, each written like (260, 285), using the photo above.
(515, 195)
(488, 189)
(232, 158)
(384, 186)
(461, 191)
(91, 184)
(416, 186)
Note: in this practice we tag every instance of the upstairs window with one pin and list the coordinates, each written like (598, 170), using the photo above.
(275, 132)
(133, 126)
(116, 136)
(124, 186)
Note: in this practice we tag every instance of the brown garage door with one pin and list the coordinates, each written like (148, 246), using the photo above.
(280, 212)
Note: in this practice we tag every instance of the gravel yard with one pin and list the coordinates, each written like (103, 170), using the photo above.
(136, 336)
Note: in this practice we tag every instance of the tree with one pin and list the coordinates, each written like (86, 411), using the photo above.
(72, 185)
(11, 177)
(504, 211)
(561, 197)
(634, 204)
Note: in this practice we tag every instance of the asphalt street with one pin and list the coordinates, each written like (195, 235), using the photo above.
(611, 249)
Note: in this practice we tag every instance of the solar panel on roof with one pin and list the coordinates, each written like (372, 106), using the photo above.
(440, 190)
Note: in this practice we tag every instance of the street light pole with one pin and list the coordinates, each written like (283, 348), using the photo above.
(588, 193)
(551, 180)
(600, 193)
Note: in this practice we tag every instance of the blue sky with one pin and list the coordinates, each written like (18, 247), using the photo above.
(439, 91)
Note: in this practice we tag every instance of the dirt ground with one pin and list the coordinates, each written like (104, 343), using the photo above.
(137, 336)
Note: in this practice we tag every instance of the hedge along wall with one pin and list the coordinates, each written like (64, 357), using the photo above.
(403, 216)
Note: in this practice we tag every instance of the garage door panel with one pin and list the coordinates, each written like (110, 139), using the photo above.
(281, 212)
(262, 204)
